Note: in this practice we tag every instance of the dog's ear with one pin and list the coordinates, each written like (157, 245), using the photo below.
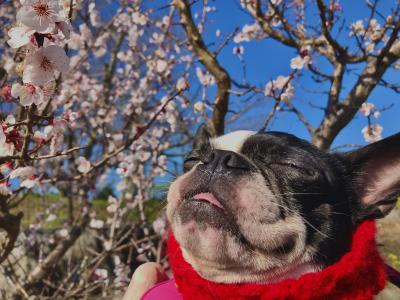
(375, 173)
(201, 138)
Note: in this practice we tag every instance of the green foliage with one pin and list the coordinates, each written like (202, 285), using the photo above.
(34, 204)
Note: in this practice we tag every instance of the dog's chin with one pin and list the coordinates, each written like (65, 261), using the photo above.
(222, 274)
(220, 257)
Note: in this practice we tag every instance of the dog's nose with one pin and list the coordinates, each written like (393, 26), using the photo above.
(223, 160)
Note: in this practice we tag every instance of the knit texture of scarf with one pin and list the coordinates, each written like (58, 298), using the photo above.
(359, 274)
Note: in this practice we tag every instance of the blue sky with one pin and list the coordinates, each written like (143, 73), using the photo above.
(267, 59)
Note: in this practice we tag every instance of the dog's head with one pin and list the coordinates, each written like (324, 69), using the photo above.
(254, 207)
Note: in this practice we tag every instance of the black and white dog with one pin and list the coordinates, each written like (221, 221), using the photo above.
(259, 207)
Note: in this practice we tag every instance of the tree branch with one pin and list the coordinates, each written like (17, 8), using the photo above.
(344, 112)
(212, 65)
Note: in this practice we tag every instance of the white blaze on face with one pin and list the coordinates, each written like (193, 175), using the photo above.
(232, 141)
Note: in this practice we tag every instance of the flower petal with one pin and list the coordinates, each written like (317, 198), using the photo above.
(36, 75)
(19, 36)
(27, 16)
(57, 57)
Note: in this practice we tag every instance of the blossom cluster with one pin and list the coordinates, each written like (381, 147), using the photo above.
(371, 132)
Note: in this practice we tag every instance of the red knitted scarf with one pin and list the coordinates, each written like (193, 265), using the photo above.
(359, 274)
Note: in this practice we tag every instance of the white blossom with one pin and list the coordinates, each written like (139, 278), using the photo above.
(23, 172)
(102, 274)
(372, 133)
(96, 224)
(19, 36)
(367, 108)
(27, 93)
(280, 87)
(6, 148)
(199, 107)
(206, 79)
(83, 165)
(29, 183)
(182, 84)
(299, 62)
(41, 65)
(40, 15)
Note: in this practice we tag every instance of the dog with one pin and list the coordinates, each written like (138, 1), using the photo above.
(263, 207)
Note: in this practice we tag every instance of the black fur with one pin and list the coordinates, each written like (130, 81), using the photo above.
(325, 188)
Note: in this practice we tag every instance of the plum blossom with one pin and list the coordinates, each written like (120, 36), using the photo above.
(5, 92)
(23, 172)
(160, 225)
(6, 148)
(41, 65)
(27, 93)
(302, 60)
(248, 33)
(40, 15)
(64, 233)
(299, 62)
(367, 108)
(51, 217)
(83, 165)
(94, 15)
(139, 18)
(182, 84)
(30, 182)
(238, 50)
(372, 133)
(10, 119)
(280, 88)
(96, 224)
(206, 79)
(161, 65)
(19, 36)
(199, 107)
(101, 274)
(357, 28)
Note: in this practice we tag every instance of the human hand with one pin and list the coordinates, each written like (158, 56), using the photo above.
(145, 277)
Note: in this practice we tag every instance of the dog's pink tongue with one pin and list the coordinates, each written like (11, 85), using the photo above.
(209, 198)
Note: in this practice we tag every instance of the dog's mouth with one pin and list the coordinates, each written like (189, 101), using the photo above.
(209, 198)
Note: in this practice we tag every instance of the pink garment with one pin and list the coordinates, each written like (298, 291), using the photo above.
(165, 290)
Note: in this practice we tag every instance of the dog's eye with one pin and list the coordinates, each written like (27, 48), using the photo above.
(306, 171)
(190, 162)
